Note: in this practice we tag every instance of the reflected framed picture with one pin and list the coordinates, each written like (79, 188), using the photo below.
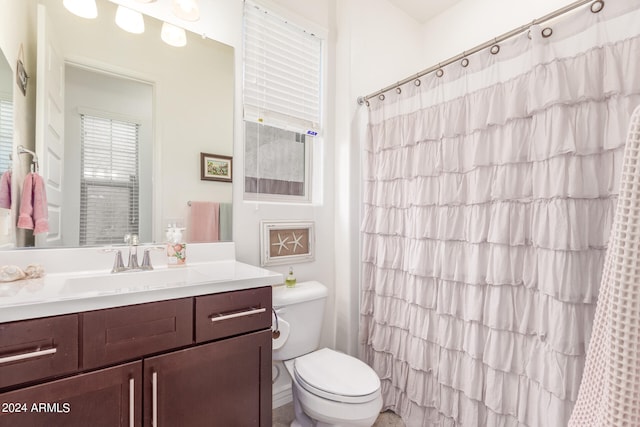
(214, 167)
(286, 242)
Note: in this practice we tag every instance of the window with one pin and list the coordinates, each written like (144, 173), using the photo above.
(109, 181)
(282, 106)
(6, 134)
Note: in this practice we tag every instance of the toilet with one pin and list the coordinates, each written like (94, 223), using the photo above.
(329, 388)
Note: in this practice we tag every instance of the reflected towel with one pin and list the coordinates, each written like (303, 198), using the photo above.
(226, 211)
(5, 190)
(33, 206)
(204, 222)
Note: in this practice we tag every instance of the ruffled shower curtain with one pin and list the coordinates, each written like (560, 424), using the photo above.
(488, 199)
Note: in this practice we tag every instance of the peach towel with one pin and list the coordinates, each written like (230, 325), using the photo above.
(5, 190)
(33, 206)
(204, 222)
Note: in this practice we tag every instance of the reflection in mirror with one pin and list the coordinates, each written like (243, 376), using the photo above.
(6, 148)
(108, 153)
(185, 108)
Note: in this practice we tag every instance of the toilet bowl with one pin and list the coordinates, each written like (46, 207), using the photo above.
(332, 388)
(329, 388)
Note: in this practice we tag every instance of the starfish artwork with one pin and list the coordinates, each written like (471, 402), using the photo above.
(281, 243)
(296, 242)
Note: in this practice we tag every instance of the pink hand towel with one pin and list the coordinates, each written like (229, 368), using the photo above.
(204, 222)
(33, 206)
(5, 190)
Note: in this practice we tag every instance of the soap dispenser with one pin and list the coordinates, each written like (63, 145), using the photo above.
(176, 248)
(290, 281)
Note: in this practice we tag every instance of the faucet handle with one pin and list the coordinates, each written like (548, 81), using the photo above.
(146, 259)
(118, 265)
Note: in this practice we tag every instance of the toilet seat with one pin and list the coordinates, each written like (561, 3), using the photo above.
(336, 376)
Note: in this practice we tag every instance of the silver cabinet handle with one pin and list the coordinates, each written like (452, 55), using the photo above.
(154, 399)
(30, 355)
(132, 402)
(240, 314)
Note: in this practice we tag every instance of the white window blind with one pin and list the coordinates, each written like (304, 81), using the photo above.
(109, 180)
(6, 134)
(282, 72)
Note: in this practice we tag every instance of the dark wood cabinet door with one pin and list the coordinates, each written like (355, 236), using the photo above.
(223, 383)
(105, 398)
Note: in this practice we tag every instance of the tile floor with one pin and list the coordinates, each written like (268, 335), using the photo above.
(283, 416)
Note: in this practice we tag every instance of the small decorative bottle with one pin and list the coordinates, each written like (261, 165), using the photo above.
(176, 248)
(290, 281)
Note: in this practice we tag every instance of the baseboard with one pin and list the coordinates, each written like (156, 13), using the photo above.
(282, 398)
(281, 387)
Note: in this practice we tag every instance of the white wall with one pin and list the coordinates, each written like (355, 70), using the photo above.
(471, 22)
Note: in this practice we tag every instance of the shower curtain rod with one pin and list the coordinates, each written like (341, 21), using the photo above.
(596, 7)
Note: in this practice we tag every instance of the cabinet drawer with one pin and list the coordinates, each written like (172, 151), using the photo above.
(232, 313)
(35, 349)
(124, 333)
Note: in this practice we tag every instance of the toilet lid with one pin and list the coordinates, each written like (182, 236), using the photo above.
(336, 376)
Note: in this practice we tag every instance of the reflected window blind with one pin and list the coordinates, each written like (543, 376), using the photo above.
(282, 72)
(6, 134)
(109, 181)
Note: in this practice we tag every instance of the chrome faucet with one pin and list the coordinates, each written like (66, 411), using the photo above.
(132, 263)
(133, 241)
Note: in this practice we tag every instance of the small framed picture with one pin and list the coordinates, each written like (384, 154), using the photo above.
(214, 167)
(286, 242)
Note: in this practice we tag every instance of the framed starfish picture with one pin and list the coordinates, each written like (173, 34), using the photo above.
(286, 242)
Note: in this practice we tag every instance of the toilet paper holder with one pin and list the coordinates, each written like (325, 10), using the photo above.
(275, 333)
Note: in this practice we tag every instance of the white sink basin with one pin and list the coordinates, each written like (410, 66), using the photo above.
(133, 281)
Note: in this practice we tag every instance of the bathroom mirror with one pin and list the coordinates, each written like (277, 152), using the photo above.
(6, 146)
(188, 110)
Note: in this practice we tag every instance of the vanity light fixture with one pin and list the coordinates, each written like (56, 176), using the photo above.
(186, 9)
(82, 8)
(129, 20)
(172, 35)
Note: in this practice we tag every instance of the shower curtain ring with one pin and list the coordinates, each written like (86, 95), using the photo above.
(597, 6)
(398, 89)
(439, 71)
(465, 61)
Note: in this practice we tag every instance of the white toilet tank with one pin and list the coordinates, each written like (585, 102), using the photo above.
(302, 307)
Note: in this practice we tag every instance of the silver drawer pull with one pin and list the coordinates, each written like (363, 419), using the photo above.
(154, 399)
(240, 314)
(132, 403)
(25, 356)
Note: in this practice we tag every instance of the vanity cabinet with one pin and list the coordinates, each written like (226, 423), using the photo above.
(146, 365)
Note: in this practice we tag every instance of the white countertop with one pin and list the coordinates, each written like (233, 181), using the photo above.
(67, 292)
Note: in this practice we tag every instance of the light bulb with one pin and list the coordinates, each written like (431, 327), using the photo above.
(82, 8)
(172, 35)
(186, 9)
(129, 20)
